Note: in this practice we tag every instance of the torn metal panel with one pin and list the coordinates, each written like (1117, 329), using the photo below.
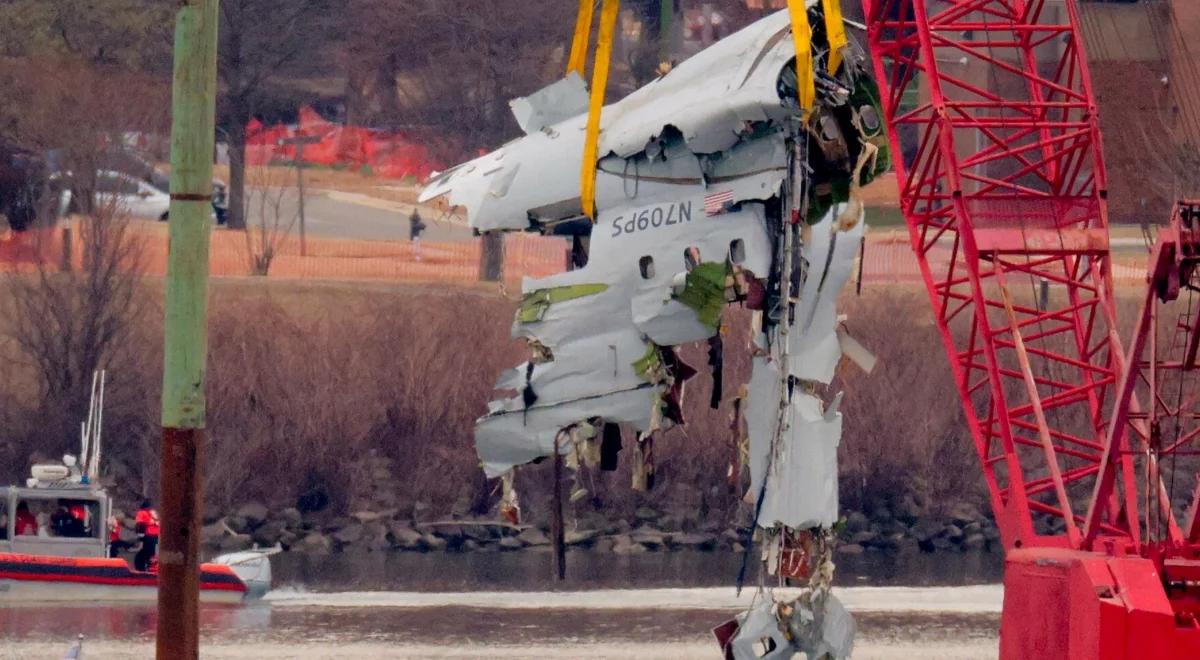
(514, 438)
(801, 467)
(758, 624)
(779, 630)
(802, 488)
(713, 102)
(552, 104)
(712, 188)
(830, 256)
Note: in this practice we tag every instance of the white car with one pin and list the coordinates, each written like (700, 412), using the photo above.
(130, 195)
(137, 198)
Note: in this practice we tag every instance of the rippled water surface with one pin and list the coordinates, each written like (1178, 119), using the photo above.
(480, 605)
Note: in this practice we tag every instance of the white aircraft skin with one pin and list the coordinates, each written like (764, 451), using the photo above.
(698, 175)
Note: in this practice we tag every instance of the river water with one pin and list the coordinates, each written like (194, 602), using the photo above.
(507, 605)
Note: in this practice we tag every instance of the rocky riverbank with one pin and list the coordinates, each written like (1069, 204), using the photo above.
(965, 528)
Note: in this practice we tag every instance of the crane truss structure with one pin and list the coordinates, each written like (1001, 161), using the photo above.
(1002, 183)
(1003, 187)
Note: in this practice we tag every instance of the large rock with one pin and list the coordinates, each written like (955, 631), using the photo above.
(604, 544)
(580, 537)
(235, 543)
(953, 532)
(433, 542)
(907, 510)
(974, 541)
(315, 544)
(694, 541)
(624, 545)
(857, 522)
(291, 516)
(365, 517)
(533, 536)
(452, 534)
(647, 513)
(238, 524)
(670, 523)
(376, 538)
(254, 513)
(406, 537)
(269, 533)
(864, 538)
(889, 541)
(210, 535)
(481, 533)
(649, 537)
(511, 543)
(964, 513)
(925, 530)
(349, 534)
(288, 540)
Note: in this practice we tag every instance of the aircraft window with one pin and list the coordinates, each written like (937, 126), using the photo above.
(691, 257)
(646, 264)
(737, 251)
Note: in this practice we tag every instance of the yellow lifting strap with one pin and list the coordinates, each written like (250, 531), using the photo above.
(583, 33)
(806, 82)
(835, 29)
(604, 47)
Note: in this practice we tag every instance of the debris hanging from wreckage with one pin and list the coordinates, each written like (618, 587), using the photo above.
(713, 188)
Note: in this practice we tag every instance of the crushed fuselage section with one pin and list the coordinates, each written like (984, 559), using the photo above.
(712, 191)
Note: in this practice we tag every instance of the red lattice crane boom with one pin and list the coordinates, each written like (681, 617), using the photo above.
(1002, 183)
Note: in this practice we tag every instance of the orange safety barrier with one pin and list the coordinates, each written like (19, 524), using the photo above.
(888, 258)
(390, 155)
(326, 259)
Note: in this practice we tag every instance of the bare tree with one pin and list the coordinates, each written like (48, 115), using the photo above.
(260, 40)
(453, 66)
(66, 323)
(78, 114)
(271, 212)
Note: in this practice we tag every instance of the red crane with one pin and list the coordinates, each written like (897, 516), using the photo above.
(1002, 181)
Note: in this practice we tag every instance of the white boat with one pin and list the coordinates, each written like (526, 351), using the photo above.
(54, 540)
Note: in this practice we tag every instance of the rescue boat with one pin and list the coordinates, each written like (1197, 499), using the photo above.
(55, 542)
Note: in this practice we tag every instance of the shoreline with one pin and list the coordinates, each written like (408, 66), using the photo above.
(964, 530)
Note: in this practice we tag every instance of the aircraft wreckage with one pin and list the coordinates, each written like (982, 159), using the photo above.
(713, 189)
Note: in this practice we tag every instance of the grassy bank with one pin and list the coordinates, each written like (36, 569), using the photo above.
(307, 381)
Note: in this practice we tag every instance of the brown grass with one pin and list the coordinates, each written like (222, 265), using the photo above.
(306, 380)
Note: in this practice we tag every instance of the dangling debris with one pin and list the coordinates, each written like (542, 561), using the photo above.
(713, 187)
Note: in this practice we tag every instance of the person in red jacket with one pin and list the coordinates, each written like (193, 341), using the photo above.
(26, 522)
(146, 523)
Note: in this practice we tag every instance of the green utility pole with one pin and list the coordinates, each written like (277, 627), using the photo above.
(185, 354)
(666, 20)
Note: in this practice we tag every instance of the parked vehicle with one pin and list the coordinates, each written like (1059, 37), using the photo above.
(138, 198)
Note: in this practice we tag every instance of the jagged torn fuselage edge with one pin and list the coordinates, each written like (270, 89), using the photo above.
(694, 196)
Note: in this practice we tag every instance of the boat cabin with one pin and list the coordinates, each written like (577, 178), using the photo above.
(54, 520)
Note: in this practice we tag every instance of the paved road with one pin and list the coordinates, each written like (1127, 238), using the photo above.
(336, 214)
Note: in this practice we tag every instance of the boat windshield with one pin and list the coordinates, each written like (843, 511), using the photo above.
(3, 518)
(57, 518)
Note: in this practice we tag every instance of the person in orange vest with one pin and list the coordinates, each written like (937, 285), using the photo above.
(115, 544)
(26, 522)
(146, 524)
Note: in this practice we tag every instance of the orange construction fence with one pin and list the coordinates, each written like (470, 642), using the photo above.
(887, 258)
(234, 253)
(391, 155)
